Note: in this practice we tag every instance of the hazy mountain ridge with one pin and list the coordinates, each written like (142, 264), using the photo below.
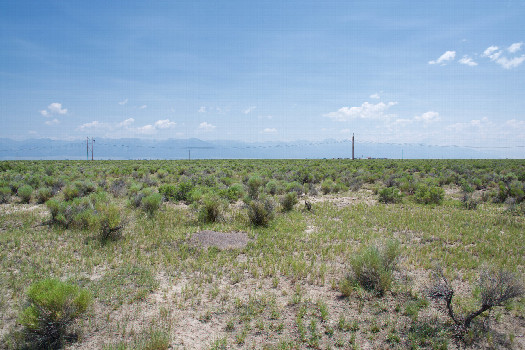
(131, 148)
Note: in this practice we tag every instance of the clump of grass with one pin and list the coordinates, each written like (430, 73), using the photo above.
(110, 221)
(53, 306)
(372, 268)
(468, 202)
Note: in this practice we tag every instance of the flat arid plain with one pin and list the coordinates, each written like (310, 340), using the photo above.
(262, 254)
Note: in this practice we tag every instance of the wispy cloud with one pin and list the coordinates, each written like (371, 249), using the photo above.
(447, 56)
(143, 107)
(515, 47)
(126, 123)
(249, 110)
(52, 122)
(467, 61)
(496, 55)
(365, 111)
(375, 96)
(206, 126)
(202, 109)
(122, 103)
(428, 117)
(510, 63)
(93, 125)
(269, 131)
(164, 124)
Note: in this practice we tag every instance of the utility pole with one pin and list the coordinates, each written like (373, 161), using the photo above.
(87, 147)
(189, 154)
(353, 147)
(92, 145)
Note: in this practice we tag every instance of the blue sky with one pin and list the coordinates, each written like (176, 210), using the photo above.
(441, 73)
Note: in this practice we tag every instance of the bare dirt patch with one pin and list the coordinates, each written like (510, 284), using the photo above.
(221, 240)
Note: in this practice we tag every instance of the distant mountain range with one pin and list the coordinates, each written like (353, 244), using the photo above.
(200, 149)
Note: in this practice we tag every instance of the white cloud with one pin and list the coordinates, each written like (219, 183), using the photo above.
(202, 109)
(92, 125)
(468, 61)
(365, 111)
(164, 124)
(375, 96)
(126, 122)
(206, 126)
(44, 113)
(249, 110)
(510, 63)
(492, 52)
(146, 129)
(122, 103)
(56, 107)
(515, 47)
(52, 122)
(270, 131)
(447, 56)
(143, 107)
(428, 117)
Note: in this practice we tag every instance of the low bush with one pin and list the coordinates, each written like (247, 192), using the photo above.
(211, 209)
(496, 287)
(390, 195)
(260, 212)
(151, 203)
(288, 201)
(429, 194)
(254, 183)
(5, 194)
(468, 202)
(25, 192)
(327, 186)
(44, 194)
(372, 268)
(235, 192)
(53, 306)
(109, 221)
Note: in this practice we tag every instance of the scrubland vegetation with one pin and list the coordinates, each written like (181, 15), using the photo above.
(367, 254)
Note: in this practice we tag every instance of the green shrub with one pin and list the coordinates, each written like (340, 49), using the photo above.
(151, 203)
(294, 187)
(5, 194)
(288, 201)
(211, 209)
(253, 186)
(43, 194)
(183, 190)
(468, 202)
(327, 186)
(272, 187)
(372, 268)
(53, 306)
(390, 195)
(235, 192)
(25, 192)
(260, 212)
(429, 194)
(169, 191)
(109, 221)
(71, 192)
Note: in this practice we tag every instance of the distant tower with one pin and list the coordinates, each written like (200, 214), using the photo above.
(353, 147)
